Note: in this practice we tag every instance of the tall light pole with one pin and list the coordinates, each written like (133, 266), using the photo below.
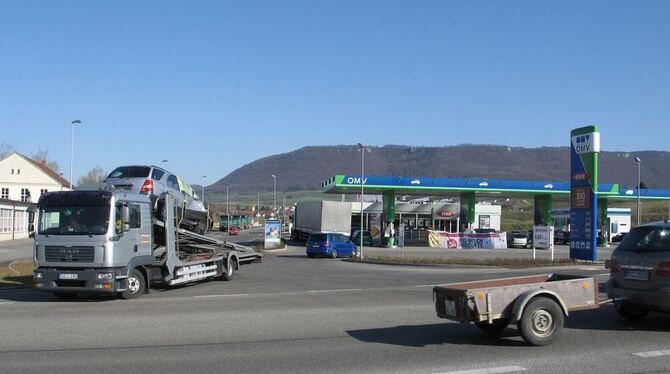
(72, 148)
(202, 197)
(638, 161)
(227, 213)
(361, 148)
(274, 193)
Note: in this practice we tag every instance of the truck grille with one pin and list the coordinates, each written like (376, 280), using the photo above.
(69, 254)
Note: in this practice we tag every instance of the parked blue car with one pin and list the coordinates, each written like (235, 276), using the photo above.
(331, 245)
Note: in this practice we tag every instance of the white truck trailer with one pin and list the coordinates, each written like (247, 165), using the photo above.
(321, 216)
(111, 242)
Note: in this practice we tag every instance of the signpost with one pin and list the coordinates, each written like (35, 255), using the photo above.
(584, 150)
(401, 238)
(543, 238)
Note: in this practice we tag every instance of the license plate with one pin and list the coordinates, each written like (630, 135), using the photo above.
(68, 276)
(639, 275)
(450, 307)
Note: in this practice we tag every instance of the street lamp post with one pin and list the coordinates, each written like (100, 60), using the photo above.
(638, 161)
(361, 147)
(72, 148)
(227, 214)
(274, 193)
(202, 197)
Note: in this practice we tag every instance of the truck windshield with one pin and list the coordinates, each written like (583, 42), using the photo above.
(79, 220)
(646, 238)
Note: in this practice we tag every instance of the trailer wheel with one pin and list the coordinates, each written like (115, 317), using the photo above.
(228, 273)
(135, 285)
(541, 321)
(64, 296)
(631, 311)
(493, 328)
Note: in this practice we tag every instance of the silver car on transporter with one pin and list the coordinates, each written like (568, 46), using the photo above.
(640, 271)
(153, 181)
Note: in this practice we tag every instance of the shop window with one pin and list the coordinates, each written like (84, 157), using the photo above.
(25, 194)
(5, 194)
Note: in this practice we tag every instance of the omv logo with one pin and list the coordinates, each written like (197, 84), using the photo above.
(629, 192)
(484, 184)
(415, 181)
(549, 185)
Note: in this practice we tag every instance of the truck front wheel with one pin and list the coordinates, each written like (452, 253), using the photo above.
(541, 321)
(135, 285)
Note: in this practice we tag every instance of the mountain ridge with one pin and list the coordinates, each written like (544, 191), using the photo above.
(305, 168)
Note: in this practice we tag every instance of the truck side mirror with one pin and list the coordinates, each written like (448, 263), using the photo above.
(125, 217)
(31, 227)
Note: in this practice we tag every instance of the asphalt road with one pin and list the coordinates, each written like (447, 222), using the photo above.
(292, 314)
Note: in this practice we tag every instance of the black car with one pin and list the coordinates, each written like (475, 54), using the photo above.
(618, 237)
(561, 237)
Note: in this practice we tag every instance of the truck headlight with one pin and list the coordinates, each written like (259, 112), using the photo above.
(38, 275)
(105, 276)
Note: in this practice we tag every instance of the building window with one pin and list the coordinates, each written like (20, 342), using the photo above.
(5, 194)
(18, 171)
(43, 191)
(25, 194)
(12, 171)
(20, 221)
(5, 220)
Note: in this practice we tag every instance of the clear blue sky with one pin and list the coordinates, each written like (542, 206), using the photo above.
(211, 86)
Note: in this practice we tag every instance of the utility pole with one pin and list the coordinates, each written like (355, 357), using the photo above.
(361, 147)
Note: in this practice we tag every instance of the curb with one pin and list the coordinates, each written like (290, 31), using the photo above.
(550, 266)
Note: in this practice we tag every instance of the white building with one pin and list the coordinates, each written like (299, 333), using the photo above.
(22, 182)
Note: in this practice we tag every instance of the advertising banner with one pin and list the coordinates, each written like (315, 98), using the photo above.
(376, 228)
(584, 150)
(443, 239)
(272, 234)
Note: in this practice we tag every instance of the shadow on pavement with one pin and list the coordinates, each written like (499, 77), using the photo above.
(437, 334)
(31, 295)
(607, 319)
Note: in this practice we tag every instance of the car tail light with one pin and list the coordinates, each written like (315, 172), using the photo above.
(614, 266)
(147, 187)
(663, 269)
(326, 244)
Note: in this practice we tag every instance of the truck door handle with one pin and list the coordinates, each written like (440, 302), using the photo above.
(135, 250)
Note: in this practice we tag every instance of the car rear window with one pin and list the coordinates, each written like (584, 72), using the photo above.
(130, 172)
(646, 238)
(157, 174)
(518, 235)
(318, 237)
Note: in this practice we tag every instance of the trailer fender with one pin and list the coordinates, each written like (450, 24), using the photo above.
(524, 299)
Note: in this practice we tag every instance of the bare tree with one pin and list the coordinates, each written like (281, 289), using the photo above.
(42, 155)
(5, 150)
(95, 175)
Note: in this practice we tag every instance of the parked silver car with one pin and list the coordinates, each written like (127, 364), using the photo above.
(640, 271)
(153, 181)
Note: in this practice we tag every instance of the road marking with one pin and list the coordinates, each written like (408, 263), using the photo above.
(653, 353)
(6, 302)
(499, 369)
(424, 285)
(340, 290)
(228, 295)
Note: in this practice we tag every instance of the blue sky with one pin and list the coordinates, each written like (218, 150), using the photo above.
(211, 86)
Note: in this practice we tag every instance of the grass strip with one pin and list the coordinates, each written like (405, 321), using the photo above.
(17, 273)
